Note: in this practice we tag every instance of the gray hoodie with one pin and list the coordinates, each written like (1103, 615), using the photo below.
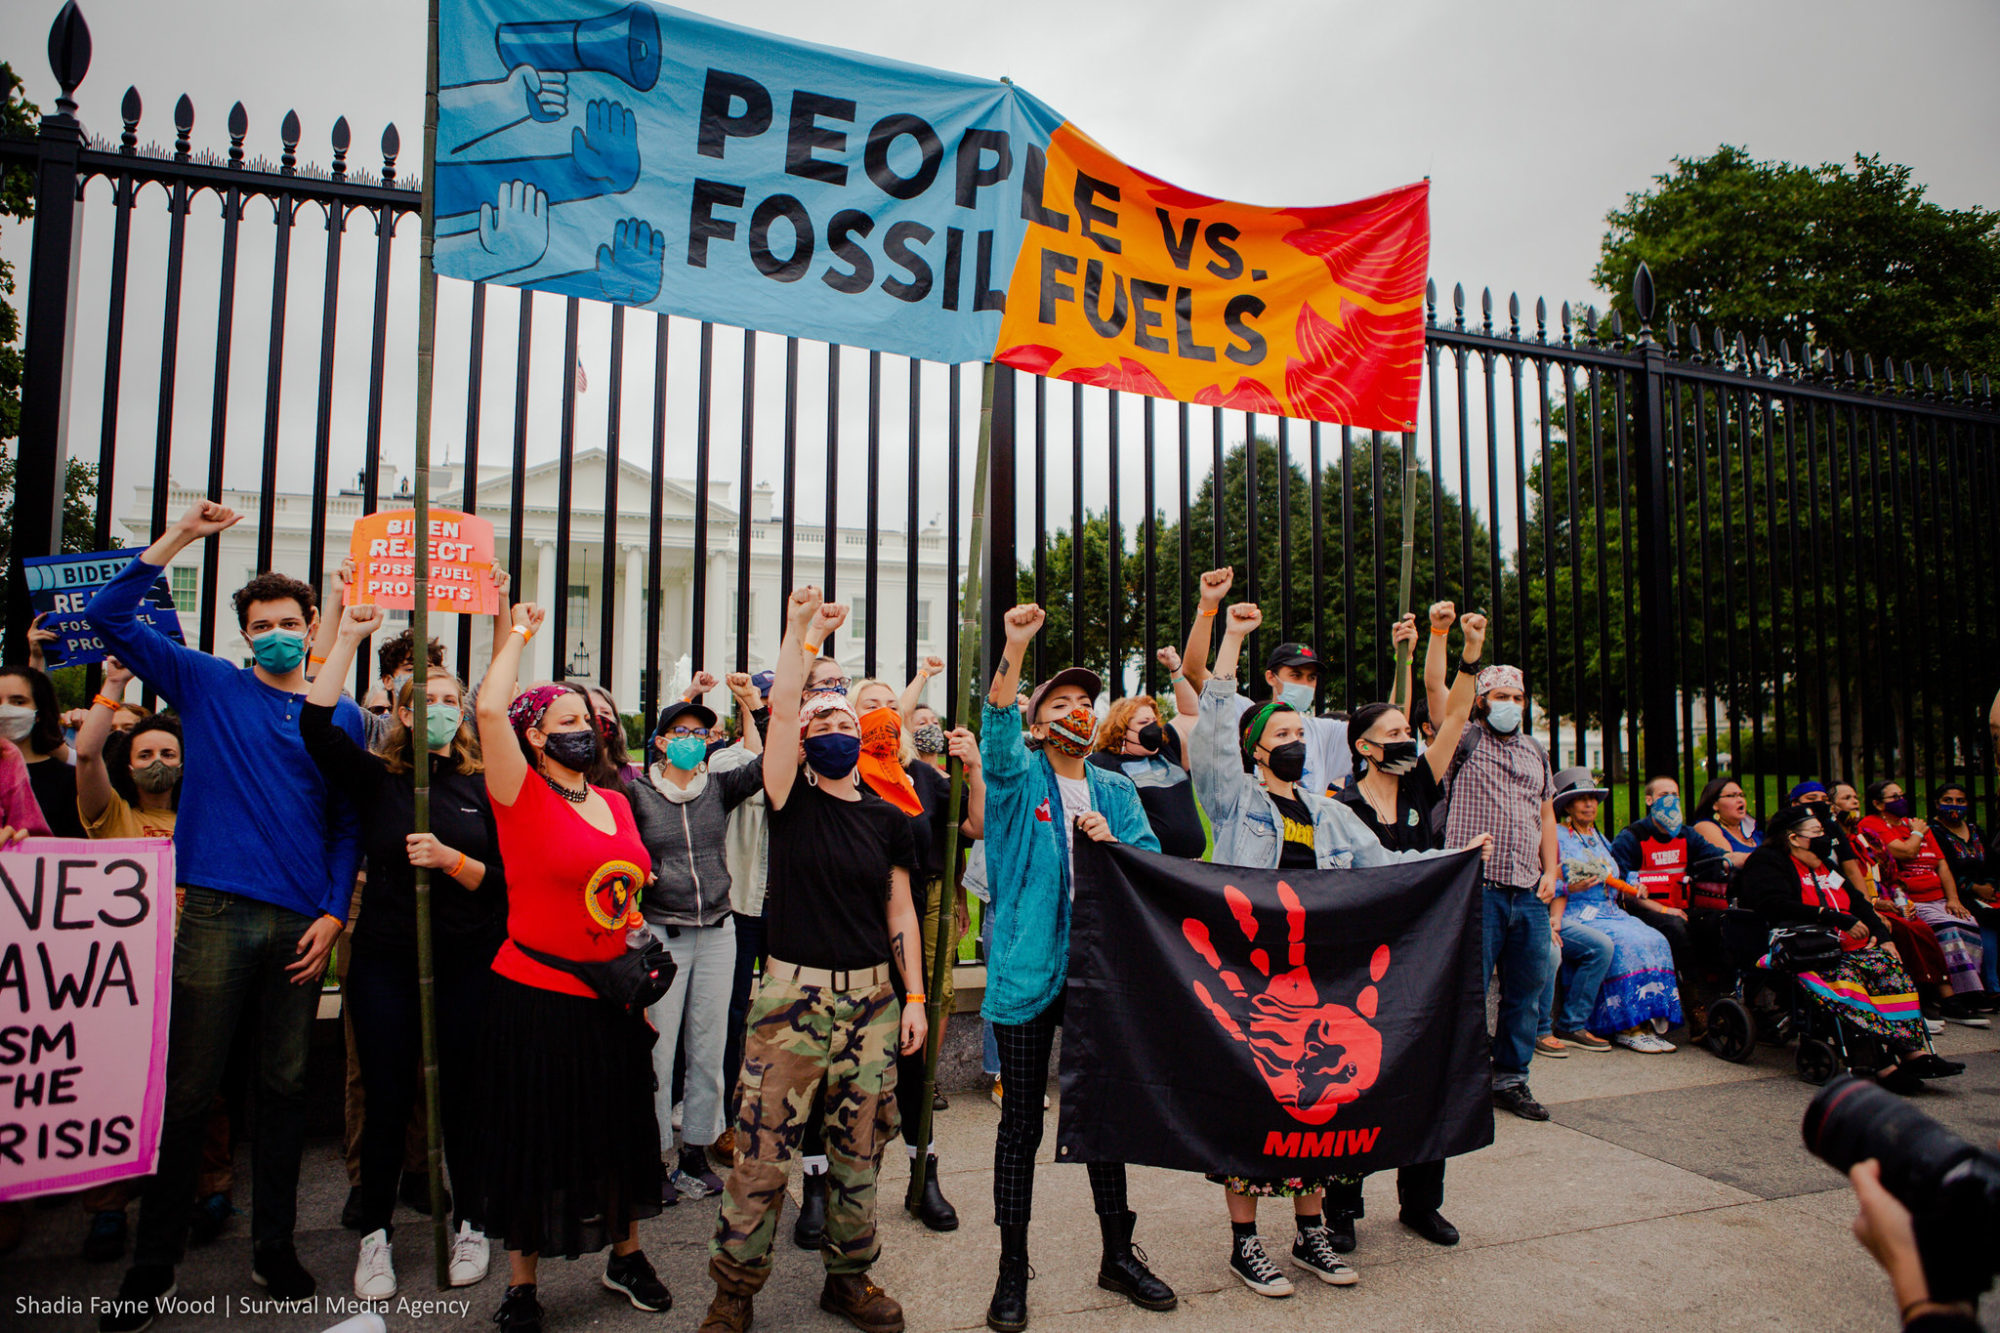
(683, 830)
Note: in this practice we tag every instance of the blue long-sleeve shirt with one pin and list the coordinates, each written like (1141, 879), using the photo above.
(256, 816)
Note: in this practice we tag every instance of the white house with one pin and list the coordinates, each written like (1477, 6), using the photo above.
(599, 579)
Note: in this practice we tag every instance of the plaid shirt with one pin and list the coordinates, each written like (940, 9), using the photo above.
(1499, 788)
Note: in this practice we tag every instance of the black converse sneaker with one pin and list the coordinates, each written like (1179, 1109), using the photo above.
(1248, 1261)
(1314, 1252)
(633, 1278)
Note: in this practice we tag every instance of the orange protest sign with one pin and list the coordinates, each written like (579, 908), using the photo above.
(385, 551)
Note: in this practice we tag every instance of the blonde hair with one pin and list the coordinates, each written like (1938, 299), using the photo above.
(398, 749)
(1111, 734)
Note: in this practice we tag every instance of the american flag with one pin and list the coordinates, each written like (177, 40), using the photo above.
(582, 383)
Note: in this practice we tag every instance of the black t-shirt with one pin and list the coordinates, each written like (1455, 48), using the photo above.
(54, 783)
(1297, 851)
(827, 904)
(1166, 793)
(1418, 797)
(928, 829)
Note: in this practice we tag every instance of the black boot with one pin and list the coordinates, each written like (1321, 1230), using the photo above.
(810, 1229)
(1124, 1268)
(1008, 1311)
(931, 1207)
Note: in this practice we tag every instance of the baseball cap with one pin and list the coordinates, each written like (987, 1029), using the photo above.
(674, 711)
(1291, 655)
(1092, 685)
(761, 682)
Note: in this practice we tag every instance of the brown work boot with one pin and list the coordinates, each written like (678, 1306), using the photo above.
(729, 1312)
(861, 1303)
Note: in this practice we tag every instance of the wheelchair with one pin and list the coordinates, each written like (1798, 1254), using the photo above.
(1825, 1046)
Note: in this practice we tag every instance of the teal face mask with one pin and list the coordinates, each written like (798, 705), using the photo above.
(687, 752)
(1298, 695)
(441, 724)
(279, 651)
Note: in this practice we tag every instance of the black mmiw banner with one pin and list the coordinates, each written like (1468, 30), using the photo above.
(1273, 1023)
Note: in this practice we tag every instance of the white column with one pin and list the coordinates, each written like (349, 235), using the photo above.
(545, 597)
(631, 628)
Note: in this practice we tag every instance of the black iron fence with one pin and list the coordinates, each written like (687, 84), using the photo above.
(1706, 556)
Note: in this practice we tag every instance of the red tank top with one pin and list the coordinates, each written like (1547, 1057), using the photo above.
(1662, 864)
(572, 890)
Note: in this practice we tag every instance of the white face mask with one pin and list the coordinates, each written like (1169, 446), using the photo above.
(16, 721)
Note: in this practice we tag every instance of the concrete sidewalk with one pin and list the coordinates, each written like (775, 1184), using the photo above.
(1669, 1192)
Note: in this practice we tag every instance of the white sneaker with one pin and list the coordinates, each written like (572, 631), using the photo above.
(1933, 1026)
(470, 1255)
(1645, 1043)
(375, 1270)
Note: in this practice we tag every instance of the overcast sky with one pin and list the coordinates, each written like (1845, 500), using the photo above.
(1532, 120)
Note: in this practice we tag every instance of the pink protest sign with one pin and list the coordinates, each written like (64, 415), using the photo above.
(86, 976)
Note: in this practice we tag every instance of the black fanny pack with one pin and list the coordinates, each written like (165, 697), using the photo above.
(1805, 948)
(630, 983)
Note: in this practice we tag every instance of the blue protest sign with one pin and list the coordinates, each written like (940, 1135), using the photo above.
(61, 586)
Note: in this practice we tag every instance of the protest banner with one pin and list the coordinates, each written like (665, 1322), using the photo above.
(1273, 1023)
(461, 551)
(86, 980)
(61, 586)
(651, 157)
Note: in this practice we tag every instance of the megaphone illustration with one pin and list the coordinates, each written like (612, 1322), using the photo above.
(624, 44)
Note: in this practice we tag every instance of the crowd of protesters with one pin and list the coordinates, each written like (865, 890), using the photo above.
(795, 869)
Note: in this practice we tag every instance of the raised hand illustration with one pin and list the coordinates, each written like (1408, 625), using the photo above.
(603, 158)
(513, 234)
(628, 270)
(1313, 1056)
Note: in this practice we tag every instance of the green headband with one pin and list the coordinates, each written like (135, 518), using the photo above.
(1258, 721)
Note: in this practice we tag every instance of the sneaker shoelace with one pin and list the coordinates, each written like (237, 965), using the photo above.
(1251, 1250)
(1319, 1247)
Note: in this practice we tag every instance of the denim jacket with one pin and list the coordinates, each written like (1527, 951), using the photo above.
(1249, 831)
(1027, 864)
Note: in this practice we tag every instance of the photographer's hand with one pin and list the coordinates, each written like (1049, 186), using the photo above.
(1885, 1229)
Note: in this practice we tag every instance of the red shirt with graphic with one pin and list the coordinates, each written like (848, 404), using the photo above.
(572, 889)
(1918, 875)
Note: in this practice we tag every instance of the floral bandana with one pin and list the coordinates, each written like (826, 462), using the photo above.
(882, 759)
(531, 704)
(1070, 734)
(1501, 677)
(824, 703)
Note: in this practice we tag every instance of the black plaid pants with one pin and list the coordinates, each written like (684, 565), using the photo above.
(1024, 1073)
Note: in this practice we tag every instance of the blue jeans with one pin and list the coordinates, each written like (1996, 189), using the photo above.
(989, 1049)
(749, 957)
(1586, 958)
(230, 956)
(1517, 942)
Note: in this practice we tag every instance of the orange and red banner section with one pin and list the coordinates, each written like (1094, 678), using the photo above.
(385, 552)
(650, 157)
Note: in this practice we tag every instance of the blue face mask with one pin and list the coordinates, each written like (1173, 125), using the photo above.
(687, 751)
(1666, 813)
(1504, 717)
(279, 651)
(833, 755)
(1298, 695)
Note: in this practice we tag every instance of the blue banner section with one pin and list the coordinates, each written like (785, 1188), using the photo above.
(61, 586)
(647, 156)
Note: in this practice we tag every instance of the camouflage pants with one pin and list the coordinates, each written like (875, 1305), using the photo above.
(798, 1037)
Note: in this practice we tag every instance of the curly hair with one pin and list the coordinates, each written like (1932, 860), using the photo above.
(1111, 732)
(395, 654)
(273, 587)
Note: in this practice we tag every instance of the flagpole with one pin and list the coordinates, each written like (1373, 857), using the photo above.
(940, 933)
(420, 766)
(1407, 651)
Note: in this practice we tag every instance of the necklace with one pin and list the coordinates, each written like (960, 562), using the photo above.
(573, 797)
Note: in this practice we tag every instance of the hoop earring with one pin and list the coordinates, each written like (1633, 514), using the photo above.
(812, 776)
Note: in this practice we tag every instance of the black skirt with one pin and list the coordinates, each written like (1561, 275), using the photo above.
(572, 1148)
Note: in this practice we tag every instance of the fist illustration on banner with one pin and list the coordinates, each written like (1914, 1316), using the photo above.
(1313, 1057)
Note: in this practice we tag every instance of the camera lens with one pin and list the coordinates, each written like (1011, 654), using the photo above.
(1852, 1120)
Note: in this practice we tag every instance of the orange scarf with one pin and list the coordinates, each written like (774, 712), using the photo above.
(882, 760)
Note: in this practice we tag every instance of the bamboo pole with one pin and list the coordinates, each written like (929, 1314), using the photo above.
(968, 626)
(420, 767)
(1406, 653)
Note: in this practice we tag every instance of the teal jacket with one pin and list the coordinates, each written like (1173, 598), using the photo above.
(1027, 864)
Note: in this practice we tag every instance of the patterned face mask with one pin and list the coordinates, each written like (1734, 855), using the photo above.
(929, 738)
(1070, 734)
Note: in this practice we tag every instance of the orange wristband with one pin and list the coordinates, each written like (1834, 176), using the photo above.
(453, 872)
(113, 704)
(1440, 632)
(1211, 614)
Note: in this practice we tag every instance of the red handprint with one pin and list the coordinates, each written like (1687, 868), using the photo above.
(1313, 1056)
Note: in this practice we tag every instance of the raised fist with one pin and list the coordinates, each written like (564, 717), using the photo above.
(1245, 617)
(1312, 1056)
(1024, 622)
(1169, 657)
(1442, 614)
(1215, 585)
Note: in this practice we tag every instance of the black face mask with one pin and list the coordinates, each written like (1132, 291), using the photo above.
(1151, 737)
(574, 750)
(1287, 762)
(1822, 812)
(1822, 847)
(1397, 757)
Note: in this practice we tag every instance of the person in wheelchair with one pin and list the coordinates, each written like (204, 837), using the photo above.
(1790, 881)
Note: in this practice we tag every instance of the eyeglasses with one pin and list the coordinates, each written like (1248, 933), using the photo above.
(380, 710)
(687, 731)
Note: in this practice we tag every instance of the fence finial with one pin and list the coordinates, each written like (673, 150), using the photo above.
(1486, 311)
(1458, 305)
(69, 56)
(129, 111)
(183, 127)
(239, 127)
(288, 133)
(392, 143)
(1541, 319)
(1642, 300)
(342, 137)
(1513, 314)
(1430, 301)
(1565, 324)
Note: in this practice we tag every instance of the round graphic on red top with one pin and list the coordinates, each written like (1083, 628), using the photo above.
(611, 895)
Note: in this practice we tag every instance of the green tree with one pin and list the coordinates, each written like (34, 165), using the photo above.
(17, 200)
(1848, 258)
(79, 532)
